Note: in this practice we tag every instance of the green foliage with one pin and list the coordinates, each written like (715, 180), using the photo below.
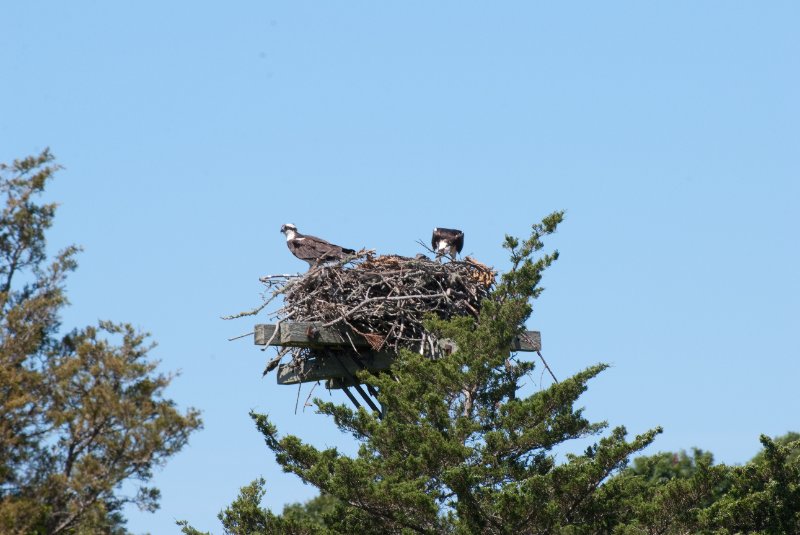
(245, 515)
(459, 450)
(674, 493)
(764, 495)
(79, 413)
(662, 493)
(314, 511)
(790, 440)
(462, 451)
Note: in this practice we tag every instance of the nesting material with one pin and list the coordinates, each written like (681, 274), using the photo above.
(385, 299)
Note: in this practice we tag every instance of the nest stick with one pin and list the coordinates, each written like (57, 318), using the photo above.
(385, 299)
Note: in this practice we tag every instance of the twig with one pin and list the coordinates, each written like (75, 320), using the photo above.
(267, 278)
(352, 344)
(240, 336)
(296, 401)
(272, 364)
(425, 246)
(546, 366)
(373, 299)
(306, 403)
(277, 329)
(382, 298)
(247, 313)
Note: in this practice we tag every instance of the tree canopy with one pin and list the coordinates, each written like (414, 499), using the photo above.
(83, 410)
(461, 449)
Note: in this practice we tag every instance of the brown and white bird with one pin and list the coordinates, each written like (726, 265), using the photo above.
(447, 241)
(310, 248)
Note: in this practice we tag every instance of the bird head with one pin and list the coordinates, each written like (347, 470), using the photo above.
(288, 227)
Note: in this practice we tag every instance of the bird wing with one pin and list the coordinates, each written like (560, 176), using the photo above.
(324, 249)
(458, 242)
(302, 251)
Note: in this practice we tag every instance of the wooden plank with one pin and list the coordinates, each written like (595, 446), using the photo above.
(306, 334)
(263, 333)
(352, 397)
(320, 368)
(527, 341)
(336, 383)
(309, 334)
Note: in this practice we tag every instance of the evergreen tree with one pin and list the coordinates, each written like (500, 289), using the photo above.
(460, 450)
(764, 494)
(80, 413)
(670, 493)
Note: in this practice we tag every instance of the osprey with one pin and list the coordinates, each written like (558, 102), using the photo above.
(310, 248)
(447, 241)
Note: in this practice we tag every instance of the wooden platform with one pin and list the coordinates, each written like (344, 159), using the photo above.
(332, 356)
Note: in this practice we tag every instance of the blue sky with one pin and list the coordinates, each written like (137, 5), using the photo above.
(190, 131)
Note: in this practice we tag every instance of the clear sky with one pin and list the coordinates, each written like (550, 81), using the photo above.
(190, 131)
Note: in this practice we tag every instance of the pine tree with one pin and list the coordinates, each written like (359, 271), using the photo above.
(80, 412)
(460, 450)
(674, 493)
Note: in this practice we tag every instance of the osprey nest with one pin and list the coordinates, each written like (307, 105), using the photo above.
(383, 298)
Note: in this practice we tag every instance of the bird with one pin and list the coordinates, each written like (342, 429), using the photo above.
(447, 241)
(310, 248)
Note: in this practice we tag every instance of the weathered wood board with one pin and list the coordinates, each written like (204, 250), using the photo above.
(263, 333)
(331, 367)
(306, 334)
(527, 341)
(336, 361)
